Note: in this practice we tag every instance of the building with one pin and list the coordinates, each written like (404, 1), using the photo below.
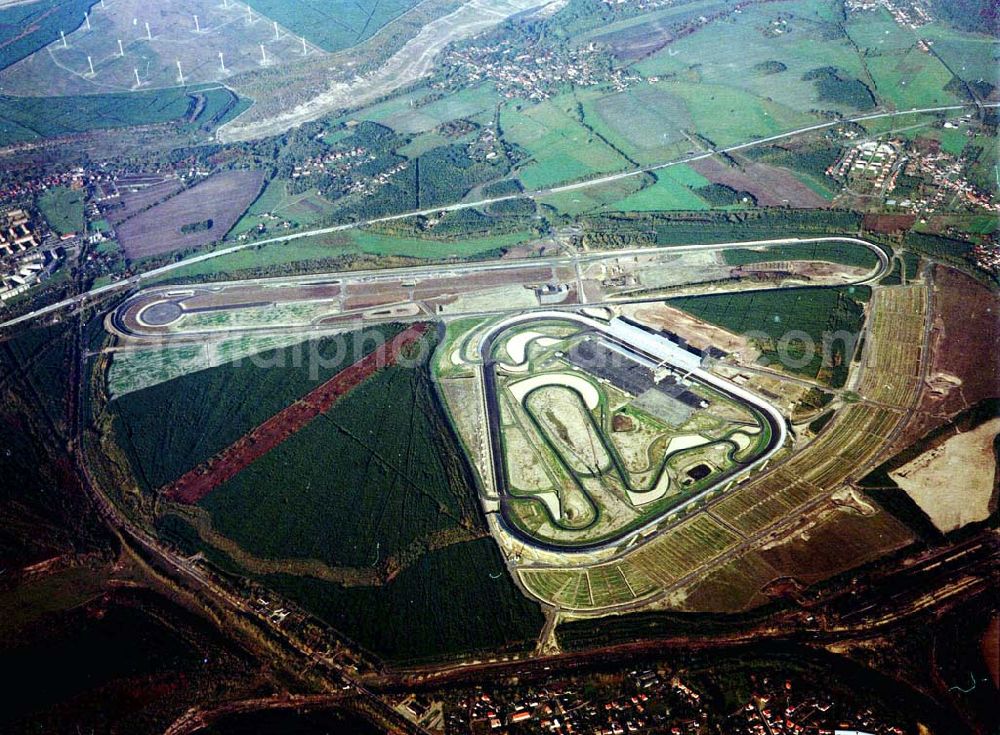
(654, 344)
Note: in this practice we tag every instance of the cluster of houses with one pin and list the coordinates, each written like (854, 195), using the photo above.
(569, 710)
(23, 262)
(945, 173)
(911, 14)
(654, 701)
(339, 161)
(533, 74)
(873, 161)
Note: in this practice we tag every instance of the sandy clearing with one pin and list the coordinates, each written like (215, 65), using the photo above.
(517, 346)
(953, 482)
(654, 493)
(742, 440)
(586, 389)
(517, 349)
(698, 333)
(686, 441)
(551, 501)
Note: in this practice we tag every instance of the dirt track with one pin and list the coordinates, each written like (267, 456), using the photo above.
(201, 480)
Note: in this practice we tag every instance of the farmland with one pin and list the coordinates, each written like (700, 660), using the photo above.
(168, 428)
(675, 188)
(219, 200)
(899, 323)
(903, 75)
(561, 148)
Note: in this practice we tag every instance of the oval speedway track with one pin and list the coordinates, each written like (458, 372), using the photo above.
(125, 321)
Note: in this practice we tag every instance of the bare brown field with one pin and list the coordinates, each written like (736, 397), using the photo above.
(131, 203)
(221, 198)
(736, 586)
(888, 224)
(965, 342)
(840, 540)
(769, 185)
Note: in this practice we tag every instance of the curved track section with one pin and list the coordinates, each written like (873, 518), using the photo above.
(775, 421)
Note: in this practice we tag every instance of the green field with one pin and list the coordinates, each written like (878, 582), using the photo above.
(560, 147)
(643, 121)
(971, 56)
(771, 315)
(672, 190)
(903, 75)
(333, 26)
(456, 600)
(62, 208)
(728, 53)
(30, 118)
(833, 252)
(334, 249)
(377, 473)
(169, 428)
(302, 210)
(418, 118)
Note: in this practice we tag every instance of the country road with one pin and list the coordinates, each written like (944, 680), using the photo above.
(598, 181)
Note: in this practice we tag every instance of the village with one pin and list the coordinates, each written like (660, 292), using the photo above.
(534, 74)
(655, 699)
(936, 179)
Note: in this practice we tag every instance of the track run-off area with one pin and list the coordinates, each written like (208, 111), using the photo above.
(597, 181)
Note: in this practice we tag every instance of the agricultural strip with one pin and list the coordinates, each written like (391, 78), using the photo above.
(201, 480)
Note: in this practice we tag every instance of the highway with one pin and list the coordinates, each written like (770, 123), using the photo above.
(597, 181)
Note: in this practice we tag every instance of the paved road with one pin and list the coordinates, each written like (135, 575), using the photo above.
(488, 378)
(154, 273)
(119, 323)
